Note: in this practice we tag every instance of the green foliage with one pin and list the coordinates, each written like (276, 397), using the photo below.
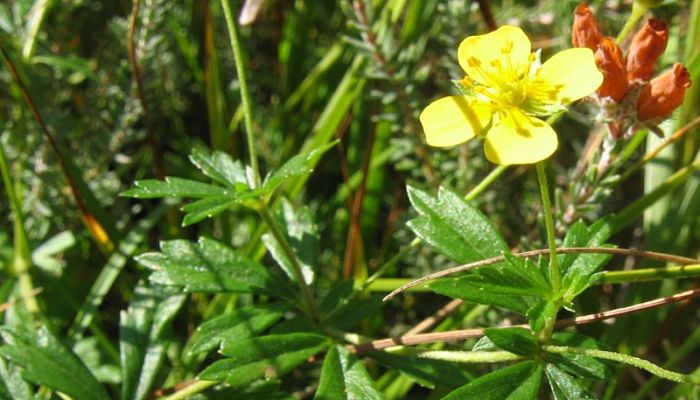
(270, 288)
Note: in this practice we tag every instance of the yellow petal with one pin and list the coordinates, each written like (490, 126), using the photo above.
(453, 120)
(567, 76)
(500, 55)
(519, 139)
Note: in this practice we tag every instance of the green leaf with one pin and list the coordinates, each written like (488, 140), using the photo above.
(206, 208)
(577, 364)
(515, 340)
(209, 266)
(220, 167)
(263, 357)
(578, 276)
(337, 296)
(142, 340)
(302, 235)
(239, 324)
(454, 227)
(576, 236)
(46, 361)
(301, 164)
(426, 372)
(174, 187)
(501, 384)
(12, 386)
(344, 377)
(564, 386)
(472, 289)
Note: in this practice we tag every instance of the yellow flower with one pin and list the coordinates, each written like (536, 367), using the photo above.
(506, 89)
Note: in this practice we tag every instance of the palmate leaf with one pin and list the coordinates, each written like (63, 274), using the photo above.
(344, 377)
(209, 266)
(46, 361)
(263, 357)
(517, 382)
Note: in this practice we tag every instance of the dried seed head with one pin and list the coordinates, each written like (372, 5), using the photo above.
(611, 63)
(585, 32)
(663, 94)
(646, 48)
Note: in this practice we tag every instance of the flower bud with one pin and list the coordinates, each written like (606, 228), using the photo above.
(663, 94)
(585, 32)
(646, 48)
(610, 62)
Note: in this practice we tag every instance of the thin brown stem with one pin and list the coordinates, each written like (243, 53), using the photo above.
(562, 250)
(485, 9)
(425, 338)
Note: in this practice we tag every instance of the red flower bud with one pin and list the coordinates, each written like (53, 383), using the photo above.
(646, 48)
(585, 32)
(610, 62)
(663, 94)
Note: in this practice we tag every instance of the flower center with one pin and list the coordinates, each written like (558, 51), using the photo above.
(504, 86)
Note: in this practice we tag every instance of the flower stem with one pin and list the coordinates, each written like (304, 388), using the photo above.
(638, 11)
(245, 93)
(554, 273)
(626, 359)
(469, 356)
(309, 304)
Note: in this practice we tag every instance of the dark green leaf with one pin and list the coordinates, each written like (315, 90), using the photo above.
(301, 164)
(46, 361)
(209, 266)
(529, 388)
(220, 167)
(351, 314)
(425, 372)
(578, 276)
(470, 288)
(206, 208)
(564, 386)
(579, 365)
(576, 236)
(263, 357)
(344, 377)
(239, 324)
(337, 296)
(142, 342)
(174, 187)
(302, 235)
(515, 340)
(454, 227)
(500, 384)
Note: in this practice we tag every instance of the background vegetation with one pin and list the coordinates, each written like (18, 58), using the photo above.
(126, 91)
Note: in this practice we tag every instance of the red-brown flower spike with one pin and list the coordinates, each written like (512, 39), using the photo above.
(585, 32)
(611, 63)
(646, 48)
(663, 94)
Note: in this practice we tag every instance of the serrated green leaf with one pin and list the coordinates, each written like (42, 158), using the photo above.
(515, 340)
(564, 387)
(499, 384)
(220, 167)
(209, 266)
(301, 234)
(576, 236)
(470, 289)
(46, 361)
(174, 187)
(263, 357)
(426, 372)
(206, 208)
(301, 164)
(344, 377)
(578, 276)
(142, 341)
(454, 227)
(239, 324)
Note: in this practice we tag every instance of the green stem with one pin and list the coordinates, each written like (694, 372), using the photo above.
(22, 258)
(650, 274)
(309, 304)
(486, 182)
(638, 11)
(469, 356)
(626, 359)
(554, 274)
(196, 387)
(245, 93)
